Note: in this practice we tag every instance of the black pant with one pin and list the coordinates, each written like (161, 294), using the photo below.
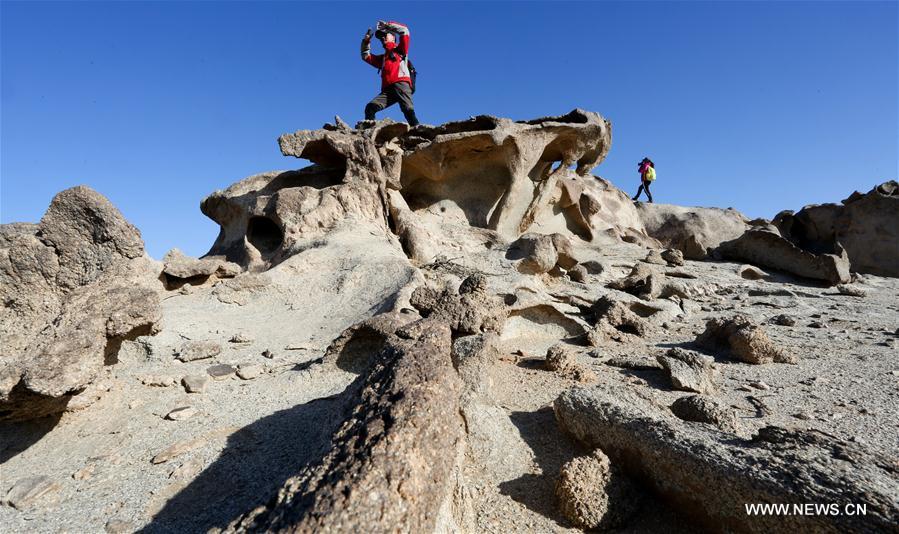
(644, 185)
(397, 92)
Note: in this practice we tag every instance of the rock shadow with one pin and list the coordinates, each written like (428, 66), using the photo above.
(17, 437)
(552, 449)
(256, 462)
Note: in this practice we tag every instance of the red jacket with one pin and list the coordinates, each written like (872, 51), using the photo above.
(394, 65)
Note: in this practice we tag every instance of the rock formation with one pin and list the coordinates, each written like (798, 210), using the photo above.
(74, 287)
(865, 225)
(392, 339)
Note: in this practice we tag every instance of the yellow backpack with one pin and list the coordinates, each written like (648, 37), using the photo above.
(650, 174)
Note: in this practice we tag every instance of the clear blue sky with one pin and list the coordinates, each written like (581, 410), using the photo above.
(756, 105)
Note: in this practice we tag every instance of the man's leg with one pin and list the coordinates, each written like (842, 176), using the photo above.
(404, 96)
(377, 104)
(639, 190)
(646, 184)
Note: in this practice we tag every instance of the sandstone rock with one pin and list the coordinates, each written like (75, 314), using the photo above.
(181, 413)
(75, 286)
(380, 475)
(220, 371)
(710, 475)
(472, 312)
(593, 494)
(743, 340)
(616, 314)
(158, 380)
(673, 256)
(180, 269)
(768, 249)
(642, 282)
(865, 225)
(693, 231)
(562, 360)
(241, 337)
(195, 383)
(703, 409)
(655, 257)
(28, 492)
(564, 251)
(784, 320)
(198, 350)
(506, 181)
(752, 273)
(689, 371)
(178, 449)
(249, 371)
(354, 347)
(578, 273)
(851, 291)
(538, 254)
(634, 362)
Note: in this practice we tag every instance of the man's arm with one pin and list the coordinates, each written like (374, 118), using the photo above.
(373, 60)
(403, 31)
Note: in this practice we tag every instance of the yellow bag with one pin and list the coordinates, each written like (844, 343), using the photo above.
(650, 174)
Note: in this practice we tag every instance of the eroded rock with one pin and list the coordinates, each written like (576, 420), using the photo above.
(593, 494)
(710, 475)
(693, 231)
(704, 409)
(743, 340)
(689, 371)
(75, 286)
(768, 249)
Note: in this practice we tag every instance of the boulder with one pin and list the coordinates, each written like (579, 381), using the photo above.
(594, 494)
(76, 286)
(537, 253)
(743, 340)
(562, 360)
(693, 231)
(711, 476)
(179, 268)
(767, 249)
(673, 256)
(643, 282)
(689, 371)
(865, 225)
(616, 314)
(704, 409)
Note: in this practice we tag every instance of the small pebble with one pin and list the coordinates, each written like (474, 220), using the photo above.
(249, 372)
(195, 383)
(181, 413)
(220, 371)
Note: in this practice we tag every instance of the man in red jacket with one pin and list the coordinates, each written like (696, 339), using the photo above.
(396, 80)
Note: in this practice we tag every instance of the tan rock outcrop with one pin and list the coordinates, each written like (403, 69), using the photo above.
(75, 286)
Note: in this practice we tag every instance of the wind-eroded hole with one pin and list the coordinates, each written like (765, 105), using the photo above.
(264, 234)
